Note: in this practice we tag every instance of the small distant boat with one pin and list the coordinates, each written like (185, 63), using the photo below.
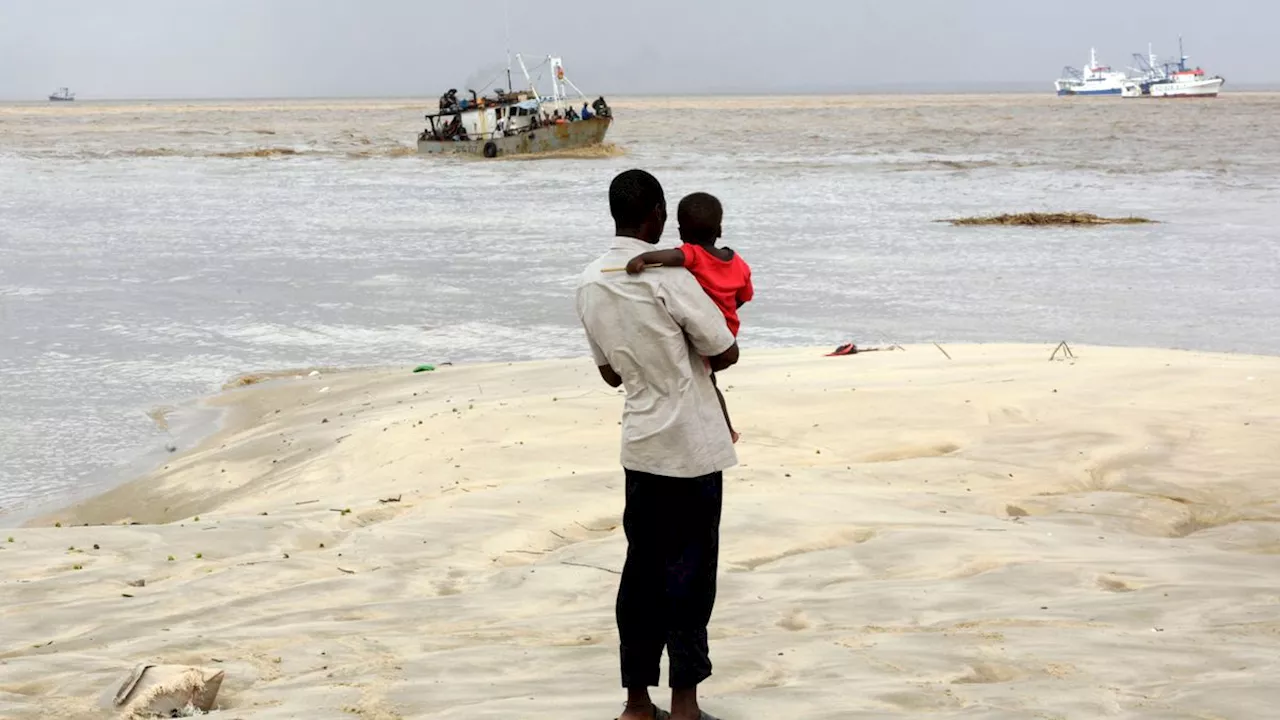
(1173, 79)
(62, 95)
(516, 122)
(1095, 79)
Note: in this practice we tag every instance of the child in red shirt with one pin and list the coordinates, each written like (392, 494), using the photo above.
(721, 272)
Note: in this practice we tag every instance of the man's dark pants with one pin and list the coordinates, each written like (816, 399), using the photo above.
(669, 581)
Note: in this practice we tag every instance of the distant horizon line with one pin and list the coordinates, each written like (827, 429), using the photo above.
(896, 89)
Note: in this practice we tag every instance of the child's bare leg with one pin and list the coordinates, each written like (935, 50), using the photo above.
(725, 409)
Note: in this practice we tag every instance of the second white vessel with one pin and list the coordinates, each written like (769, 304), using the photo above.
(1174, 79)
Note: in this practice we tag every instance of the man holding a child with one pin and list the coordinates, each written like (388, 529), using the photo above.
(660, 336)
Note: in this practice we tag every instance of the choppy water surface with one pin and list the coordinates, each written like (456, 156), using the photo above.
(148, 252)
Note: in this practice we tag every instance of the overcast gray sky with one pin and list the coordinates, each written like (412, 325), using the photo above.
(278, 48)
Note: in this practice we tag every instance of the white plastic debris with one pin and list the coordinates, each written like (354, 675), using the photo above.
(167, 691)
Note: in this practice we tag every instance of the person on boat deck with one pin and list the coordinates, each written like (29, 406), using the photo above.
(571, 114)
(586, 112)
(456, 130)
(449, 101)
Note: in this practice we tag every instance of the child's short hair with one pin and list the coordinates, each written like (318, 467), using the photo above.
(700, 214)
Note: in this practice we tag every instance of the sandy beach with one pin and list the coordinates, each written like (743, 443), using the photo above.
(990, 535)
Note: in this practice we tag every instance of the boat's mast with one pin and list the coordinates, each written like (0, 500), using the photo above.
(525, 70)
(557, 81)
(506, 21)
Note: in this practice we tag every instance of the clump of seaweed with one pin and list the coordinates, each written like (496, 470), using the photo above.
(1035, 218)
(258, 153)
(246, 380)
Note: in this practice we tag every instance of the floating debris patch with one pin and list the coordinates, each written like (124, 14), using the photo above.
(259, 152)
(1036, 218)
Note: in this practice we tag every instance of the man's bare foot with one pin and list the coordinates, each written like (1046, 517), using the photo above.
(684, 705)
(640, 707)
(692, 715)
(735, 435)
(634, 712)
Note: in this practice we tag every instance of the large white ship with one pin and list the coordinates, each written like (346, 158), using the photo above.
(1095, 79)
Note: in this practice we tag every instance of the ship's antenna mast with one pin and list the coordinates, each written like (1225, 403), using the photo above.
(506, 21)
(532, 88)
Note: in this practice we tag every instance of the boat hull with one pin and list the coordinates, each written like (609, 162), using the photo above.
(1206, 88)
(1064, 92)
(551, 138)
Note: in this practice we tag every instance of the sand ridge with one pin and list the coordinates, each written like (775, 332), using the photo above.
(993, 535)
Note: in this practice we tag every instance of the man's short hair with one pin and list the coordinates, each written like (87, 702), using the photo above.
(700, 213)
(632, 197)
